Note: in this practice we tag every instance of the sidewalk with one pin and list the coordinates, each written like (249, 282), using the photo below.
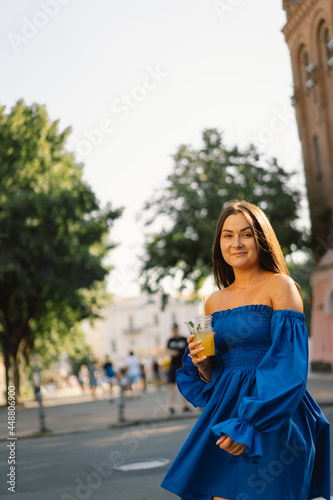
(69, 411)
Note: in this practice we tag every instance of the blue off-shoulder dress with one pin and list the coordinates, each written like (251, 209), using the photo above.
(257, 395)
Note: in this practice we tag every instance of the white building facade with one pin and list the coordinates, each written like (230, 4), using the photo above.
(139, 325)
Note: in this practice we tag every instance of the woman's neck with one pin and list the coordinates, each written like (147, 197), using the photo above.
(243, 277)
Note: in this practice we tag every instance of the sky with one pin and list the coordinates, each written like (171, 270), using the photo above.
(134, 80)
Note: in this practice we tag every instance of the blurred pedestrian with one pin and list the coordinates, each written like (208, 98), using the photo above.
(176, 347)
(109, 375)
(92, 369)
(83, 378)
(156, 373)
(123, 379)
(143, 377)
(133, 370)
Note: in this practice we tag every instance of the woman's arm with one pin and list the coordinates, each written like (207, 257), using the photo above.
(203, 363)
(284, 294)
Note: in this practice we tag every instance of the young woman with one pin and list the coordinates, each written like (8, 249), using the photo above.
(261, 436)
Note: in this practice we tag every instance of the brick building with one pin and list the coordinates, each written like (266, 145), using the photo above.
(309, 35)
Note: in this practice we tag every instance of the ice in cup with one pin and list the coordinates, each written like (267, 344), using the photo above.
(201, 328)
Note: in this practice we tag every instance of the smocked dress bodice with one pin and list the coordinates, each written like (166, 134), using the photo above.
(242, 340)
(257, 396)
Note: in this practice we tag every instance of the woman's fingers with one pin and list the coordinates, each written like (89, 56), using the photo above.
(241, 450)
(224, 441)
(198, 360)
(227, 444)
(194, 345)
(195, 348)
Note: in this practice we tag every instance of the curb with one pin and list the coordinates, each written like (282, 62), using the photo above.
(149, 420)
(114, 426)
(129, 422)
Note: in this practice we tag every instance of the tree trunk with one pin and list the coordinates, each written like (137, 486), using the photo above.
(16, 375)
(12, 354)
(6, 350)
(21, 364)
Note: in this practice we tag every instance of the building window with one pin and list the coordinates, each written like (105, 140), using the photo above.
(329, 48)
(301, 62)
(309, 72)
(130, 323)
(317, 153)
(113, 347)
(156, 320)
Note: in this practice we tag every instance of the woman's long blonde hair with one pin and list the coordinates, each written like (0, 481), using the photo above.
(270, 253)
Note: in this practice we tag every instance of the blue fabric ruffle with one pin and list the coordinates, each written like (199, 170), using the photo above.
(244, 433)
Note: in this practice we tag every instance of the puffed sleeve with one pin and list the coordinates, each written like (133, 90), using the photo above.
(196, 390)
(281, 383)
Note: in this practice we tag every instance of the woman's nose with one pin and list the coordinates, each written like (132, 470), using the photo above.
(237, 241)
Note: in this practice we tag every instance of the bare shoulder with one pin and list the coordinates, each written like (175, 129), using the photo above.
(284, 293)
(213, 302)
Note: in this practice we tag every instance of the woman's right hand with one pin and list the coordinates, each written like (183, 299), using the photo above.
(201, 363)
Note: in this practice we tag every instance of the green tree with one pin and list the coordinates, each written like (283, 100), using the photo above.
(301, 273)
(181, 217)
(62, 330)
(72, 341)
(53, 233)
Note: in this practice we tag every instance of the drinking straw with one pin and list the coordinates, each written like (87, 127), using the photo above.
(203, 313)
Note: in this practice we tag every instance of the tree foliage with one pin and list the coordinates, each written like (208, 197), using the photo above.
(53, 232)
(181, 217)
(301, 273)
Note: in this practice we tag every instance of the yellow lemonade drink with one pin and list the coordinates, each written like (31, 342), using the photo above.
(207, 338)
(201, 328)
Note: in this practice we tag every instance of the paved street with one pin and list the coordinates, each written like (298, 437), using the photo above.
(75, 461)
(79, 466)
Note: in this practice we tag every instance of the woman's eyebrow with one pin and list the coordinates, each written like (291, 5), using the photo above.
(231, 231)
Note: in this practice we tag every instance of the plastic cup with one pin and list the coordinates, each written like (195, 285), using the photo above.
(201, 328)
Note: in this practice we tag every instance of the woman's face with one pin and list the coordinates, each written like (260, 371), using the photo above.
(237, 243)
